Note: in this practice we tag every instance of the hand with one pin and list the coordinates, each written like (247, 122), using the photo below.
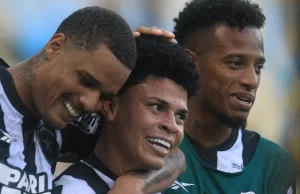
(128, 184)
(152, 181)
(155, 32)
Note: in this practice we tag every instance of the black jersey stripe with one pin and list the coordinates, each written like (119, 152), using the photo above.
(4, 145)
(84, 172)
(29, 144)
(250, 141)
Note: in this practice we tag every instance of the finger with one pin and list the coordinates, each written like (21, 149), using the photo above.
(174, 41)
(136, 34)
(165, 33)
(147, 30)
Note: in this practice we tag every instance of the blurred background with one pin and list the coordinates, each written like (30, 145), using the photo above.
(26, 26)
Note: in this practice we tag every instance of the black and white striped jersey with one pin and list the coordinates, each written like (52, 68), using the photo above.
(28, 148)
(89, 176)
(233, 154)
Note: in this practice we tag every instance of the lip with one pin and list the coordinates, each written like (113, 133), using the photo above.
(245, 95)
(240, 104)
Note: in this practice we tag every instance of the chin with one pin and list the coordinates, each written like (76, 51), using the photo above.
(238, 122)
(155, 164)
(234, 121)
(60, 126)
(55, 124)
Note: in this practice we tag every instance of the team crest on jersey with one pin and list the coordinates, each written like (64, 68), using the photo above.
(47, 139)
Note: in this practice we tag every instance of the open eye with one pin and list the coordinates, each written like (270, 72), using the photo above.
(181, 117)
(235, 63)
(258, 68)
(156, 107)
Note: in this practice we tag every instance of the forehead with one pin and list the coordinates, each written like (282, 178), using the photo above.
(162, 88)
(245, 41)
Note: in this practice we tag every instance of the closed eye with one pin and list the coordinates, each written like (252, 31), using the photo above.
(86, 82)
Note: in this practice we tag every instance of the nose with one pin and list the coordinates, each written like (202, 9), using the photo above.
(250, 79)
(91, 101)
(169, 124)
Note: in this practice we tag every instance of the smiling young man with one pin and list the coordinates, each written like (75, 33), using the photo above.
(87, 60)
(144, 125)
(224, 39)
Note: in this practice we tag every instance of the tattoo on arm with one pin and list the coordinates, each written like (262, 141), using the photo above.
(157, 181)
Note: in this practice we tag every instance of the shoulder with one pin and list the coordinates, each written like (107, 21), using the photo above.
(267, 147)
(281, 165)
(274, 150)
(277, 161)
(67, 184)
(80, 177)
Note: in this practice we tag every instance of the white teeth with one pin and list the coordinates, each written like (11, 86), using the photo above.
(245, 100)
(70, 109)
(160, 141)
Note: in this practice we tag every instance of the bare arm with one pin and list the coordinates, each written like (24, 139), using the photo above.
(154, 181)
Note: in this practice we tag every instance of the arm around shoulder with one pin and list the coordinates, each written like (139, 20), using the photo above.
(154, 181)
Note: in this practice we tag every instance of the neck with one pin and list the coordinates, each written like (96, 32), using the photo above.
(23, 75)
(204, 127)
(110, 155)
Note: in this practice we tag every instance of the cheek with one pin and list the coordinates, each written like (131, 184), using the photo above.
(144, 124)
(179, 136)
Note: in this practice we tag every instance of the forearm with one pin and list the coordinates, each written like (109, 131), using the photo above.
(154, 181)
(159, 180)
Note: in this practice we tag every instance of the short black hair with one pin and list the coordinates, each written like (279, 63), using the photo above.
(204, 14)
(89, 27)
(159, 57)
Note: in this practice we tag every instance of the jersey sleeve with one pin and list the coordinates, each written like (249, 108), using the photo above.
(67, 184)
(283, 178)
(79, 178)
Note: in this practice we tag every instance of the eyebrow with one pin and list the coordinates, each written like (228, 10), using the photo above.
(260, 60)
(165, 103)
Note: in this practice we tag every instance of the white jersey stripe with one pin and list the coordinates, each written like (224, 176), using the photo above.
(234, 163)
(13, 121)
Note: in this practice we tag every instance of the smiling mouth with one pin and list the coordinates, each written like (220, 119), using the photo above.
(70, 109)
(160, 144)
(244, 100)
